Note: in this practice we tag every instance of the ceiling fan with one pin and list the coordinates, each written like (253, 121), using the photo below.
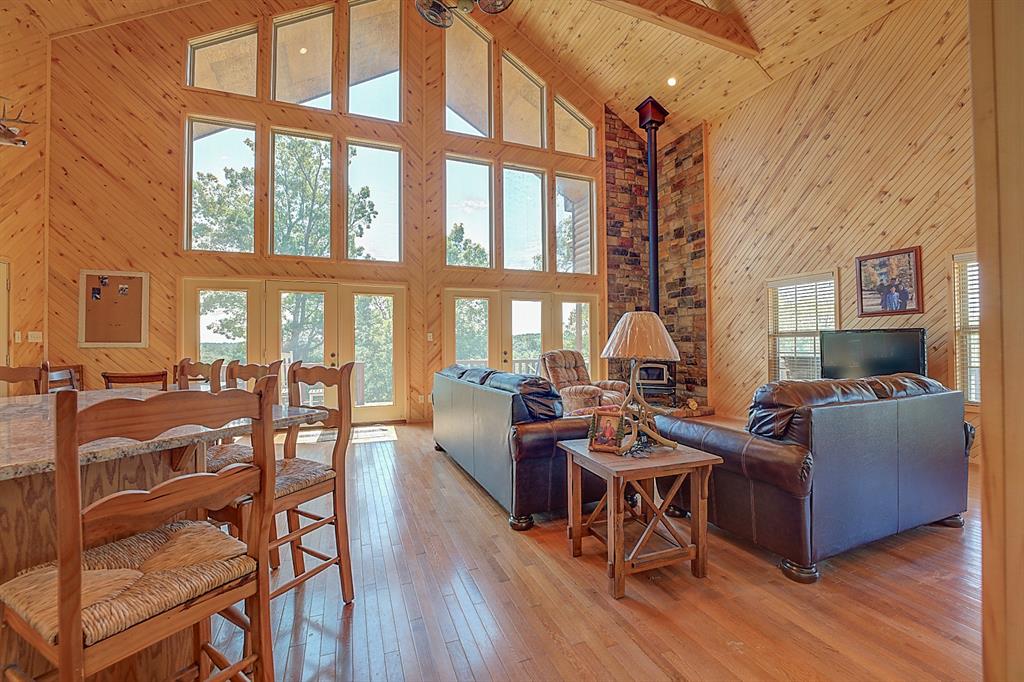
(440, 14)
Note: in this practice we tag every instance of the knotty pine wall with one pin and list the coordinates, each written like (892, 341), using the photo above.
(117, 163)
(865, 149)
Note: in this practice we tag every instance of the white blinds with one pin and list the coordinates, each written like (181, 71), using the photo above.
(797, 310)
(967, 301)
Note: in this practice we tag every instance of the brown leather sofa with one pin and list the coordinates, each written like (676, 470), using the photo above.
(503, 430)
(825, 466)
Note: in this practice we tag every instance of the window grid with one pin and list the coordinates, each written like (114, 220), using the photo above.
(798, 311)
(967, 309)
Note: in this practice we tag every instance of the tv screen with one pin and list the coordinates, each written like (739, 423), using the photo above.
(856, 353)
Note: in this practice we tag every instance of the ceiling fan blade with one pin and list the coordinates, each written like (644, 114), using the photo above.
(494, 6)
(435, 12)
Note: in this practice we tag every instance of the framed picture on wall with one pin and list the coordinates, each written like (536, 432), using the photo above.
(890, 283)
(113, 309)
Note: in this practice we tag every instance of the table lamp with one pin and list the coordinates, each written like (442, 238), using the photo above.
(639, 336)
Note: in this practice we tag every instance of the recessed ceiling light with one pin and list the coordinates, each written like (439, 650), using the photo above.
(303, 50)
(672, 82)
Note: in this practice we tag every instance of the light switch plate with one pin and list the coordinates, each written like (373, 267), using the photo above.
(17, 337)
(430, 337)
(35, 337)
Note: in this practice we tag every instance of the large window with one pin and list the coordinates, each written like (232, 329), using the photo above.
(222, 194)
(302, 196)
(798, 309)
(967, 300)
(467, 213)
(523, 209)
(374, 67)
(225, 62)
(574, 225)
(522, 104)
(572, 132)
(576, 328)
(303, 55)
(467, 80)
(374, 203)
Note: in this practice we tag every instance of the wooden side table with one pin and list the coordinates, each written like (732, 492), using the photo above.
(653, 540)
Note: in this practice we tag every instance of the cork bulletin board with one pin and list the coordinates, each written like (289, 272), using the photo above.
(113, 309)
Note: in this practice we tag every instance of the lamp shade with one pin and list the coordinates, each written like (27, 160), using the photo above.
(640, 335)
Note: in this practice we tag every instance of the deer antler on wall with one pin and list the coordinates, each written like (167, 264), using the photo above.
(10, 135)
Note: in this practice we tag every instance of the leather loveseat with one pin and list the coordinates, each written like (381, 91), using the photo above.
(825, 466)
(503, 430)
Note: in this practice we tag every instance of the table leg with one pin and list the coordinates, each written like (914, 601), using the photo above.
(647, 511)
(616, 536)
(575, 498)
(699, 519)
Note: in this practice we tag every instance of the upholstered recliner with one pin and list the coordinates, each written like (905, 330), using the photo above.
(568, 373)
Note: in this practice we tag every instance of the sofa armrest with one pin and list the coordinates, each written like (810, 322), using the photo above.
(787, 466)
(537, 440)
(613, 385)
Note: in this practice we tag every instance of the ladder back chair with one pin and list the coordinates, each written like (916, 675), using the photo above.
(223, 454)
(60, 379)
(187, 371)
(115, 379)
(39, 376)
(127, 575)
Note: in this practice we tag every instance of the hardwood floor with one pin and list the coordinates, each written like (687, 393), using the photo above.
(446, 591)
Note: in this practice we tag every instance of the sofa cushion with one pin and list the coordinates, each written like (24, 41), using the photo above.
(454, 371)
(539, 397)
(478, 375)
(904, 385)
(782, 409)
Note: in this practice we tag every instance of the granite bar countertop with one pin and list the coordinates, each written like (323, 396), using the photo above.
(27, 432)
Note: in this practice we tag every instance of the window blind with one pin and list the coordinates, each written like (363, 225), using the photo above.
(967, 303)
(797, 310)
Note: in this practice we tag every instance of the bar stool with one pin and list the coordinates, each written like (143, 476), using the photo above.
(115, 379)
(187, 370)
(39, 376)
(222, 454)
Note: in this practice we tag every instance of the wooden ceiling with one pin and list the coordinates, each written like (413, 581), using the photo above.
(622, 60)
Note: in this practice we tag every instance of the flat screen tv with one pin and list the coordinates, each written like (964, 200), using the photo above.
(857, 353)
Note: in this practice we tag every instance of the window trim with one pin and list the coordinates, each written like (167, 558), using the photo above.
(290, 19)
(964, 258)
(189, 154)
(797, 280)
(348, 142)
(584, 121)
(215, 39)
(490, 209)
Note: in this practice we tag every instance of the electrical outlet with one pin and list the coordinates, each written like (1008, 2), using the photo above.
(17, 337)
(421, 398)
(35, 337)
(430, 339)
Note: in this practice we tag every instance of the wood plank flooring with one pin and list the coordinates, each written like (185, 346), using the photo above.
(446, 591)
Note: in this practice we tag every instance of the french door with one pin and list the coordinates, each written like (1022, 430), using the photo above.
(325, 323)
(510, 330)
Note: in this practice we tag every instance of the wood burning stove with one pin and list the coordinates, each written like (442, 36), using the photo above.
(657, 382)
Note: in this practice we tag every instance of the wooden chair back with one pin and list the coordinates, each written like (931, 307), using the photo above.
(39, 376)
(187, 370)
(131, 511)
(339, 418)
(60, 380)
(236, 371)
(114, 379)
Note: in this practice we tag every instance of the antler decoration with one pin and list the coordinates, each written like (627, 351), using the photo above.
(10, 135)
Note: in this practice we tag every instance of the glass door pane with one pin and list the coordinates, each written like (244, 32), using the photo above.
(223, 325)
(302, 324)
(472, 331)
(576, 329)
(524, 339)
(373, 382)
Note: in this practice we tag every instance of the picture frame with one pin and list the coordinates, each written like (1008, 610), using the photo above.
(113, 309)
(890, 283)
(607, 430)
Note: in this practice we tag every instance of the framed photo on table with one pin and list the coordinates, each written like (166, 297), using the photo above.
(113, 309)
(607, 430)
(890, 283)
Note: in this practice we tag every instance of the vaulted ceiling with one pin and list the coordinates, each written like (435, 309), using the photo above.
(622, 59)
(616, 55)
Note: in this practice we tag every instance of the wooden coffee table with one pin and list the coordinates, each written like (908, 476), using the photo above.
(653, 540)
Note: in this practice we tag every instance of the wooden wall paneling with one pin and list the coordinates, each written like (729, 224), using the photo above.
(996, 32)
(806, 171)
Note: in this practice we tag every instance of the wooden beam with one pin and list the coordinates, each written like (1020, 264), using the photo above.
(724, 31)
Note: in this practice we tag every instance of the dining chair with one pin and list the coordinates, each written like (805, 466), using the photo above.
(60, 379)
(187, 370)
(298, 481)
(37, 375)
(221, 455)
(126, 576)
(115, 379)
